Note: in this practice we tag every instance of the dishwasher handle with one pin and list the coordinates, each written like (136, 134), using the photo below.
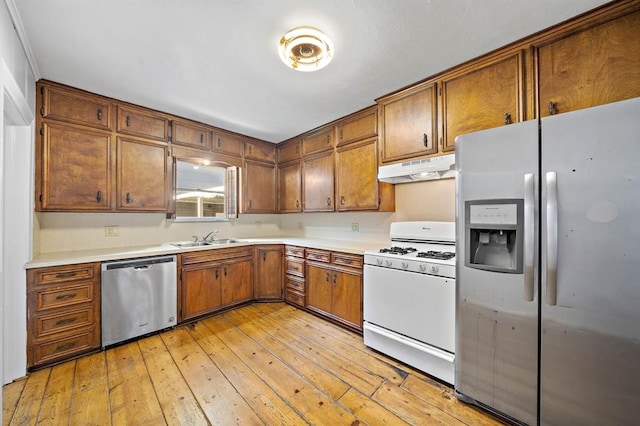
(138, 264)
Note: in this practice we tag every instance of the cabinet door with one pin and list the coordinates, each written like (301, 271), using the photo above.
(259, 187)
(142, 176)
(408, 122)
(73, 107)
(227, 144)
(593, 67)
(347, 297)
(75, 169)
(319, 287)
(317, 183)
(290, 187)
(261, 151)
(359, 127)
(190, 134)
(356, 172)
(143, 123)
(236, 282)
(318, 141)
(288, 151)
(269, 266)
(200, 289)
(486, 97)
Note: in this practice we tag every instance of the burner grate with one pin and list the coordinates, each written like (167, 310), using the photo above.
(398, 250)
(441, 255)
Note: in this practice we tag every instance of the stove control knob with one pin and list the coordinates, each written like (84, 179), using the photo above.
(379, 261)
(423, 268)
(433, 269)
(388, 262)
(405, 265)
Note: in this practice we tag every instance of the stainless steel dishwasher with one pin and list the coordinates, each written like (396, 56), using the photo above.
(139, 296)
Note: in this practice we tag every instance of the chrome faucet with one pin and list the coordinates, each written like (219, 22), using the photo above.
(206, 237)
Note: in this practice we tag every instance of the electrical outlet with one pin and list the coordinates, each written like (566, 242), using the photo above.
(112, 231)
(355, 227)
(258, 225)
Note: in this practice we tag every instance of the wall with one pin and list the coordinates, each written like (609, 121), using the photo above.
(431, 200)
(17, 86)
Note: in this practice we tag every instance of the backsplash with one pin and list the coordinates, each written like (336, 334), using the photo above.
(56, 232)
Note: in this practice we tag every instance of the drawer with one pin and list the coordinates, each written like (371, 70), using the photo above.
(319, 255)
(259, 151)
(294, 251)
(295, 266)
(67, 295)
(61, 274)
(350, 260)
(295, 283)
(58, 104)
(294, 297)
(216, 255)
(64, 321)
(145, 124)
(53, 350)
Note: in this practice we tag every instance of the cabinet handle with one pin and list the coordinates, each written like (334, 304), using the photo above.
(250, 146)
(65, 346)
(99, 197)
(127, 197)
(219, 142)
(225, 271)
(327, 277)
(250, 204)
(201, 137)
(264, 256)
(342, 199)
(66, 296)
(507, 118)
(42, 111)
(65, 321)
(65, 274)
(128, 121)
(328, 201)
(335, 277)
(100, 114)
(297, 203)
(552, 108)
(217, 273)
(425, 140)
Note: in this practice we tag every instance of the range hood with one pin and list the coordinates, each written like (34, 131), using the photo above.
(419, 170)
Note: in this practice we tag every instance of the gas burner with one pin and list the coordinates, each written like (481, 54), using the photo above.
(432, 254)
(398, 250)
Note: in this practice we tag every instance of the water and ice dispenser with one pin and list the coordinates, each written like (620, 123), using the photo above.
(494, 234)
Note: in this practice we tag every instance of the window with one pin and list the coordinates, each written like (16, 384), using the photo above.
(205, 192)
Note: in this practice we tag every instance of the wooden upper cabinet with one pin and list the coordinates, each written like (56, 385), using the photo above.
(190, 134)
(73, 107)
(259, 187)
(598, 65)
(142, 123)
(356, 176)
(408, 123)
(318, 141)
(358, 127)
(318, 183)
(290, 187)
(489, 95)
(226, 143)
(143, 176)
(289, 150)
(262, 151)
(74, 169)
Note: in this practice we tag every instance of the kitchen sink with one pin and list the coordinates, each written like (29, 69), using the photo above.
(189, 244)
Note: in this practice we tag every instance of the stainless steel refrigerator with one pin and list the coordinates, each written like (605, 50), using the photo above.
(548, 268)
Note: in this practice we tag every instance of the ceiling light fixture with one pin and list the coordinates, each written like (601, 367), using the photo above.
(306, 49)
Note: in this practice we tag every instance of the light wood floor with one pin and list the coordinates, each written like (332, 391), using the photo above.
(266, 363)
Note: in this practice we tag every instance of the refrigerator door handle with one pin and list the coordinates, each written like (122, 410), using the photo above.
(529, 235)
(552, 238)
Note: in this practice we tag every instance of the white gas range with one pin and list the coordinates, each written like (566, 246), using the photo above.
(409, 297)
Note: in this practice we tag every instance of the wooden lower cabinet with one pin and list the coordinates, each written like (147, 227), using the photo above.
(211, 280)
(63, 312)
(334, 288)
(268, 266)
(295, 286)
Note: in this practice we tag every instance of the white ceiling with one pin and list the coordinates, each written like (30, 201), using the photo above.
(216, 61)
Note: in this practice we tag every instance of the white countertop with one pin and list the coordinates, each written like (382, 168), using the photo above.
(101, 255)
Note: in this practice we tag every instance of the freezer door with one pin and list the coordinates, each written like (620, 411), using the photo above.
(497, 311)
(590, 359)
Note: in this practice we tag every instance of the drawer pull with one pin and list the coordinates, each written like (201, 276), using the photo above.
(66, 296)
(66, 321)
(65, 274)
(66, 346)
